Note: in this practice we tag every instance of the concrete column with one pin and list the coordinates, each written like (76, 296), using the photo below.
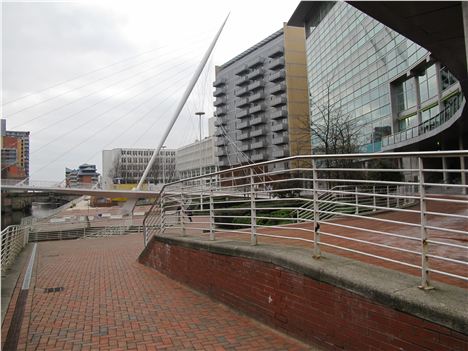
(465, 25)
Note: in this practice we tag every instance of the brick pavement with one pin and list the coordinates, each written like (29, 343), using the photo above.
(111, 302)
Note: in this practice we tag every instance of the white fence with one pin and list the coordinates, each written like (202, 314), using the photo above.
(408, 209)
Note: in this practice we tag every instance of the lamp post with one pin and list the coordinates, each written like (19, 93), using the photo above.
(163, 158)
(200, 114)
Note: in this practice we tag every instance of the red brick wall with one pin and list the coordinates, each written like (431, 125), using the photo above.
(300, 306)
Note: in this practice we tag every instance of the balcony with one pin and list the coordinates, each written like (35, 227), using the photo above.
(242, 102)
(426, 129)
(220, 111)
(242, 113)
(278, 89)
(219, 122)
(241, 81)
(278, 101)
(224, 162)
(241, 91)
(258, 145)
(219, 92)
(220, 101)
(280, 113)
(281, 139)
(256, 62)
(256, 97)
(276, 63)
(220, 153)
(219, 82)
(243, 136)
(260, 156)
(276, 52)
(244, 147)
(241, 70)
(221, 141)
(281, 153)
(255, 85)
(218, 132)
(256, 73)
(279, 127)
(257, 132)
(242, 124)
(257, 108)
(259, 119)
(276, 77)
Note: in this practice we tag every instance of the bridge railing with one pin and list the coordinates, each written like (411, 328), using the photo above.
(402, 210)
(14, 238)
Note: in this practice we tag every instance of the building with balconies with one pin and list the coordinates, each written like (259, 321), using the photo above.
(263, 87)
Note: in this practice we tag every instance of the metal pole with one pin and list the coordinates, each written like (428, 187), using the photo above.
(185, 96)
(200, 114)
(424, 244)
(253, 211)
(317, 252)
(212, 214)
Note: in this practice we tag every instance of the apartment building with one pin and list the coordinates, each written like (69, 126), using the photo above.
(15, 153)
(261, 102)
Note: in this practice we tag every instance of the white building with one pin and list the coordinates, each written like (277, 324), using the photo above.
(192, 158)
(126, 166)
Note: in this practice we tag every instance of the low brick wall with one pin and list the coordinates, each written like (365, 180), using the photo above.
(288, 290)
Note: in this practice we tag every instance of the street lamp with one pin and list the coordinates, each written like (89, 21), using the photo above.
(163, 158)
(200, 114)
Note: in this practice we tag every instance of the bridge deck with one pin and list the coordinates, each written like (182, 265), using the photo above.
(111, 302)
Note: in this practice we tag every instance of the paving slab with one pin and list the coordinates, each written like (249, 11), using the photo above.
(91, 294)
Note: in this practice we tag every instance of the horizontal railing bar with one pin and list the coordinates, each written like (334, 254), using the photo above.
(418, 225)
(369, 243)
(448, 259)
(447, 230)
(448, 274)
(447, 244)
(285, 237)
(451, 215)
(371, 255)
(371, 230)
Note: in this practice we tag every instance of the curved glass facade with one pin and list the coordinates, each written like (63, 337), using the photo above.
(351, 60)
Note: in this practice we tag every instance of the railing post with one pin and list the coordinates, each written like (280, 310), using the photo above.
(388, 196)
(182, 214)
(253, 210)
(317, 251)
(162, 225)
(212, 214)
(424, 244)
(356, 200)
(374, 199)
(462, 166)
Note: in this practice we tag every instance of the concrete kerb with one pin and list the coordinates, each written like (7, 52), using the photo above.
(445, 305)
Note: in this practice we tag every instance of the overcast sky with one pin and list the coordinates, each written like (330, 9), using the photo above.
(87, 76)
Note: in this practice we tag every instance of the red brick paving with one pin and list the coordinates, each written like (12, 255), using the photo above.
(111, 302)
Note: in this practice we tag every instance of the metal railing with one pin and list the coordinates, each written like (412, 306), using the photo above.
(425, 126)
(402, 209)
(14, 238)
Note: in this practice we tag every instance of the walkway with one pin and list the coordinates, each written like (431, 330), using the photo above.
(111, 302)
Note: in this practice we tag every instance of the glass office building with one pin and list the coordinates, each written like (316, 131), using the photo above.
(393, 91)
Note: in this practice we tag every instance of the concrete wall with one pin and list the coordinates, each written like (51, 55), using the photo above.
(333, 302)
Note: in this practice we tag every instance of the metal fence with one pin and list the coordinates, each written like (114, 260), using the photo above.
(403, 209)
(14, 238)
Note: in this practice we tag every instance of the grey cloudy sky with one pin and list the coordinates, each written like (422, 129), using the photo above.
(133, 60)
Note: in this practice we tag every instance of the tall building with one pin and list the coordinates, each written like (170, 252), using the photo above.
(126, 166)
(261, 101)
(83, 177)
(397, 95)
(15, 153)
